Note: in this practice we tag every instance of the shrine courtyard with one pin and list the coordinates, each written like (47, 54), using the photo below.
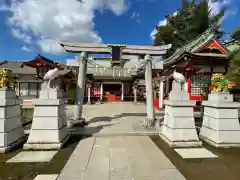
(115, 146)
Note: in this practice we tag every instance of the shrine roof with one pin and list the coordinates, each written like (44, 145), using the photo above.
(39, 58)
(3, 62)
(195, 46)
(15, 66)
(225, 56)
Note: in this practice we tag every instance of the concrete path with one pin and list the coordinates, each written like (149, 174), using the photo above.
(114, 119)
(111, 119)
(119, 158)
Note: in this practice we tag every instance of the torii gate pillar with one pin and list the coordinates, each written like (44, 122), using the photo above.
(150, 120)
(78, 119)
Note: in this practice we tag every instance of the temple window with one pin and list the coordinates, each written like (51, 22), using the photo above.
(28, 89)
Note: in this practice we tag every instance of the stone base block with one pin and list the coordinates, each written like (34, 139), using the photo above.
(47, 135)
(51, 94)
(52, 123)
(10, 137)
(220, 126)
(219, 145)
(11, 130)
(13, 145)
(220, 96)
(8, 124)
(225, 138)
(6, 93)
(180, 137)
(178, 129)
(46, 146)
(181, 144)
(229, 124)
(54, 108)
(49, 128)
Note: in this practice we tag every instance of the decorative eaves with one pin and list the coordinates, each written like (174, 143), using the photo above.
(191, 47)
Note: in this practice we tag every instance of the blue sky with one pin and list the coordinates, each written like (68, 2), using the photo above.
(30, 26)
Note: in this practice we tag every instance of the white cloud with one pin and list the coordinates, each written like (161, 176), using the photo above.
(17, 33)
(72, 61)
(4, 7)
(134, 15)
(216, 6)
(161, 23)
(25, 48)
(46, 22)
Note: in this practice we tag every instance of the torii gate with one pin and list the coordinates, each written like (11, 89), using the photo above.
(142, 51)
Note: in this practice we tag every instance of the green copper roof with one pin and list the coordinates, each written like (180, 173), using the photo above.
(191, 47)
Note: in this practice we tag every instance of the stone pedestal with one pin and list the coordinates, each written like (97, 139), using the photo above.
(220, 126)
(11, 130)
(178, 129)
(49, 127)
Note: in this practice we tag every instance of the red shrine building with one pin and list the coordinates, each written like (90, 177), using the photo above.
(197, 60)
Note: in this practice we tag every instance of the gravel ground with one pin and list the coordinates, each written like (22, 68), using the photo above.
(225, 167)
(28, 171)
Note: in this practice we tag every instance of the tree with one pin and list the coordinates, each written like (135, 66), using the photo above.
(234, 58)
(191, 20)
(236, 34)
(234, 65)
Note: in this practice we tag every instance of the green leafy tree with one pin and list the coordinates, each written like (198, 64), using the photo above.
(234, 69)
(234, 58)
(234, 65)
(191, 20)
(236, 34)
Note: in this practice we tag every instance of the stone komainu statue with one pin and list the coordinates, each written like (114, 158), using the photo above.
(6, 78)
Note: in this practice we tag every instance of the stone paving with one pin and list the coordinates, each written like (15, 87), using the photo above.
(46, 177)
(195, 153)
(112, 119)
(119, 158)
(33, 156)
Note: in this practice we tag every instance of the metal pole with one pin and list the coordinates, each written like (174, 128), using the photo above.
(80, 88)
(122, 96)
(135, 94)
(89, 95)
(101, 91)
(149, 92)
(161, 94)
